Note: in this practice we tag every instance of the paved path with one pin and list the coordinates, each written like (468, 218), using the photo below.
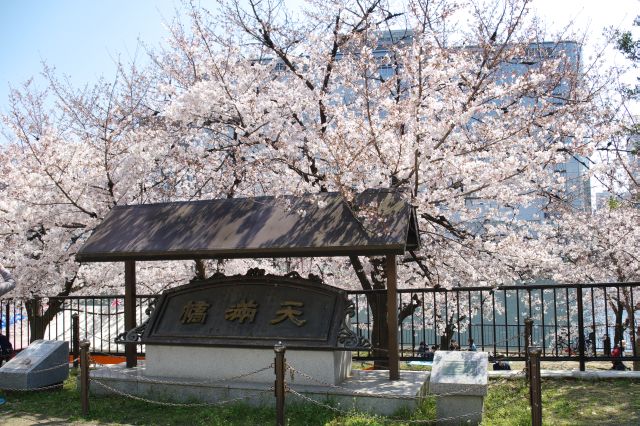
(22, 419)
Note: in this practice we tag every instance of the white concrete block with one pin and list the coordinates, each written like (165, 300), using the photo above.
(215, 364)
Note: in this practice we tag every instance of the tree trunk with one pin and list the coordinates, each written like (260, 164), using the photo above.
(619, 327)
(380, 330)
(445, 339)
(39, 319)
(378, 305)
(635, 335)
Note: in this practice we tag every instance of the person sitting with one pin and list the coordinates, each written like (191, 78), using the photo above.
(8, 284)
(453, 346)
(501, 364)
(472, 345)
(617, 363)
(430, 354)
(6, 349)
(422, 350)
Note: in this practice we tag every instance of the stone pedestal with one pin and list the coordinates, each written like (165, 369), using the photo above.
(460, 381)
(365, 391)
(43, 363)
(219, 363)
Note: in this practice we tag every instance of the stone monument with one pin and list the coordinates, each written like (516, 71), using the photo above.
(207, 329)
(43, 363)
(460, 381)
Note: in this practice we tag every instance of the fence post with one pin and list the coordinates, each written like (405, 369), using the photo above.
(84, 376)
(535, 386)
(75, 338)
(279, 349)
(528, 338)
(580, 328)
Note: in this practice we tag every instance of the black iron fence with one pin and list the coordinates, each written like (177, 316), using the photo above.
(571, 322)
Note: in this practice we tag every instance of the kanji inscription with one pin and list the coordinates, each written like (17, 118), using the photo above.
(242, 311)
(289, 312)
(194, 312)
(249, 311)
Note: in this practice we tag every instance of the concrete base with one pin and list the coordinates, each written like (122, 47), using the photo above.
(459, 409)
(367, 391)
(214, 364)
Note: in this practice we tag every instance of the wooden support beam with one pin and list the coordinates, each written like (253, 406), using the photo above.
(392, 317)
(130, 349)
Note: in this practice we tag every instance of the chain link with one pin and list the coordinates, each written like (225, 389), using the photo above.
(174, 404)
(384, 419)
(189, 383)
(54, 386)
(376, 395)
(55, 367)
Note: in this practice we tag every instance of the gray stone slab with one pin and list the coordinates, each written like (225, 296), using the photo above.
(459, 410)
(43, 363)
(367, 391)
(459, 372)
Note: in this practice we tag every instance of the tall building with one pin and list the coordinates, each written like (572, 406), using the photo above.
(577, 190)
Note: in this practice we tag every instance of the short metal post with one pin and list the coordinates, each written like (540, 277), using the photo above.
(535, 386)
(279, 349)
(75, 339)
(528, 333)
(84, 376)
(580, 328)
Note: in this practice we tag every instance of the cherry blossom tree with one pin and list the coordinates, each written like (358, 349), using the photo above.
(458, 102)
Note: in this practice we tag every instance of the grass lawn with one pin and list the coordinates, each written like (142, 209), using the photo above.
(565, 402)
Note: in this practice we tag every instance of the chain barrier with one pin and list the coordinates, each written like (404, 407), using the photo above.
(189, 383)
(390, 419)
(55, 367)
(384, 419)
(176, 404)
(54, 386)
(351, 392)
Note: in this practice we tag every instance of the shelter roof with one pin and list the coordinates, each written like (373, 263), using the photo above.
(324, 224)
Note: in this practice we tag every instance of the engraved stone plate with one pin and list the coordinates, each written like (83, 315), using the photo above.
(249, 311)
(43, 363)
(464, 373)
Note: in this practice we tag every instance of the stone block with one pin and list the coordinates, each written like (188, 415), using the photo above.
(459, 410)
(43, 363)
(462, 373)
(459, 379)
(221, 363)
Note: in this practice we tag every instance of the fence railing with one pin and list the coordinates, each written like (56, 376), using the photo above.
(571, 322)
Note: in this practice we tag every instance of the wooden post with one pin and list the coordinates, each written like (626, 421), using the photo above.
(279, 349)
(84, 376)
(392, 317)
(528, 338)
(130, 349)
(75, 339)
(535, 387)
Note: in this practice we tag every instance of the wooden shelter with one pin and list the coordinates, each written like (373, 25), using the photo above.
(376, 222)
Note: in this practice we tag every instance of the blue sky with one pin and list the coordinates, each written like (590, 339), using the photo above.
(79, 38)
(82, 39)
